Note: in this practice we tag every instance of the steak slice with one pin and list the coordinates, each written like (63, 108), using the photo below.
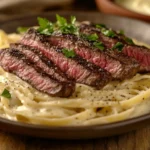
(15, 62)
(140, 53)
(42, 62)
(76, 68)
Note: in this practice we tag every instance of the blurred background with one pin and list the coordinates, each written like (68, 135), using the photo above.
(139, 9)
(13, 8)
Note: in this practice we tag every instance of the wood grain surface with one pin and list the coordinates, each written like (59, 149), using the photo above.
(135, 140)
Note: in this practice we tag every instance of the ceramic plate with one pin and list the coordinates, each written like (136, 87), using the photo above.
(133, 28)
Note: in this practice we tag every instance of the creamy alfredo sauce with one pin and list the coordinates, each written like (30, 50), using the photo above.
(140, 6)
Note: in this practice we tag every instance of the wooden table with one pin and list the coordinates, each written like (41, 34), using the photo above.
(135, 140)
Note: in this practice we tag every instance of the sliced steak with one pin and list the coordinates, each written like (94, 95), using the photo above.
(42, 62)
(119, 69)
(76, 68)
(140, 53)
(15, 62)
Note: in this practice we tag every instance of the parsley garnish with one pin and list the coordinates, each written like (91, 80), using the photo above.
(6, 94)
(100, 26)
(65, 27)
(108, 33)
(73, 20)
(99, 45)
(22, 29)
(118, 46)
(61, 21)
(128, 40)
(45, 26)
(68, 53)
(90, 37)
(94, 39)
(121, 32)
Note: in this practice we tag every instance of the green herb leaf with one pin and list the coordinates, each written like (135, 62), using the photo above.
(128, 40)
(22, 29)
(61, 21)
(118, 46)
(45, 26)
(73, 20)
(99, 45)
(43, 22)
(100, 26)
(68, 53)
(6, 94)
(47, 31)
(69, 29)
(108, 33)
(121, 32)
(65, 27)
(90, 37)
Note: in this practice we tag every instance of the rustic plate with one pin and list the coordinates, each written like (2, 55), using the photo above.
(133, 28)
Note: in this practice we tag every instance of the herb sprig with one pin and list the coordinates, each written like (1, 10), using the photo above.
(94, 39)
(105, 31)
(65, 27)
(22, 29)
(128, 40)
(45, 26)
(100, 26)
(119, 46)
(90, 37)
(99, 45)
(6, 94)
(69, 53)
(108, 33)
(121, 32)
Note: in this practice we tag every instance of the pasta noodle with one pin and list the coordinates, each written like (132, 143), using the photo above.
(115, 102)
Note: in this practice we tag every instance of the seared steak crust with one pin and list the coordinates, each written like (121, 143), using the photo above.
(75, 68)
(15, 62)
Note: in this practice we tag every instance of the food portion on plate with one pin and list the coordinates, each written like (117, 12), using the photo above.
(70, 73)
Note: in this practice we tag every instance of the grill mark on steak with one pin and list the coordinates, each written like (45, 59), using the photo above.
(140, 53)
(40, 61)
(72, 67)
(15, 62)
(104, 75)
(131, 65)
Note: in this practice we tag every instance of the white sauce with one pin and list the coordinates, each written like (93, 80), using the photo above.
(140, 6)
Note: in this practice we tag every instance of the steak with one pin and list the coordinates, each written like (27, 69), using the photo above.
(119, 69)
(42, 62)
(76, 68)
(140, 53)
(15, 62)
